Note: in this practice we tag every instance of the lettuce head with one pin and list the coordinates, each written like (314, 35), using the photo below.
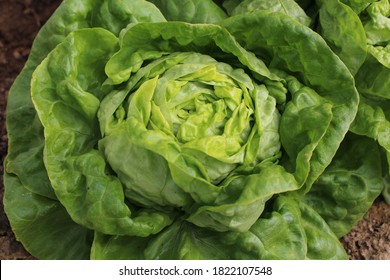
(142, 130)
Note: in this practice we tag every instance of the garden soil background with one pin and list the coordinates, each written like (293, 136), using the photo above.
(20, 20)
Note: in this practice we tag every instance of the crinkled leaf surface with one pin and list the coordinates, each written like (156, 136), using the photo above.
(344, 32)
(291, 230)
(349, 186)
(308, 63)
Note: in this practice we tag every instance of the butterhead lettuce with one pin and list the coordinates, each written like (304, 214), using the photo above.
(158, 134)
(359, 33)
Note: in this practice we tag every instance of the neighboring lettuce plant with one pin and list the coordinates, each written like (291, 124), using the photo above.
(359, 32)
(373, 81)
(183, 130)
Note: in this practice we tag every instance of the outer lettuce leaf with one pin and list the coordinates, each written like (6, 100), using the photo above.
(314, 115)
(358, 5)
(337, 23)
(291, 230)
(287, 7)
(193, 11)
(182, 240)
(349, 186)
(372, 121)
(344, 32)
(229, 5)
(43, 225)
(377, 28)
(373, 78)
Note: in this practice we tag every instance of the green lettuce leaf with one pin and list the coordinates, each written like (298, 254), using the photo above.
(378, 26)
(349, 186)
(344, 32)
(372, 80)
(358, 32)
(43, 225)
(287, 7)
(193, 11)
(358, 5)
(291, 230)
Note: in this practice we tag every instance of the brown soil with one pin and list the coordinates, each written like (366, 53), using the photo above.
(20, 21)
(370, 238)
